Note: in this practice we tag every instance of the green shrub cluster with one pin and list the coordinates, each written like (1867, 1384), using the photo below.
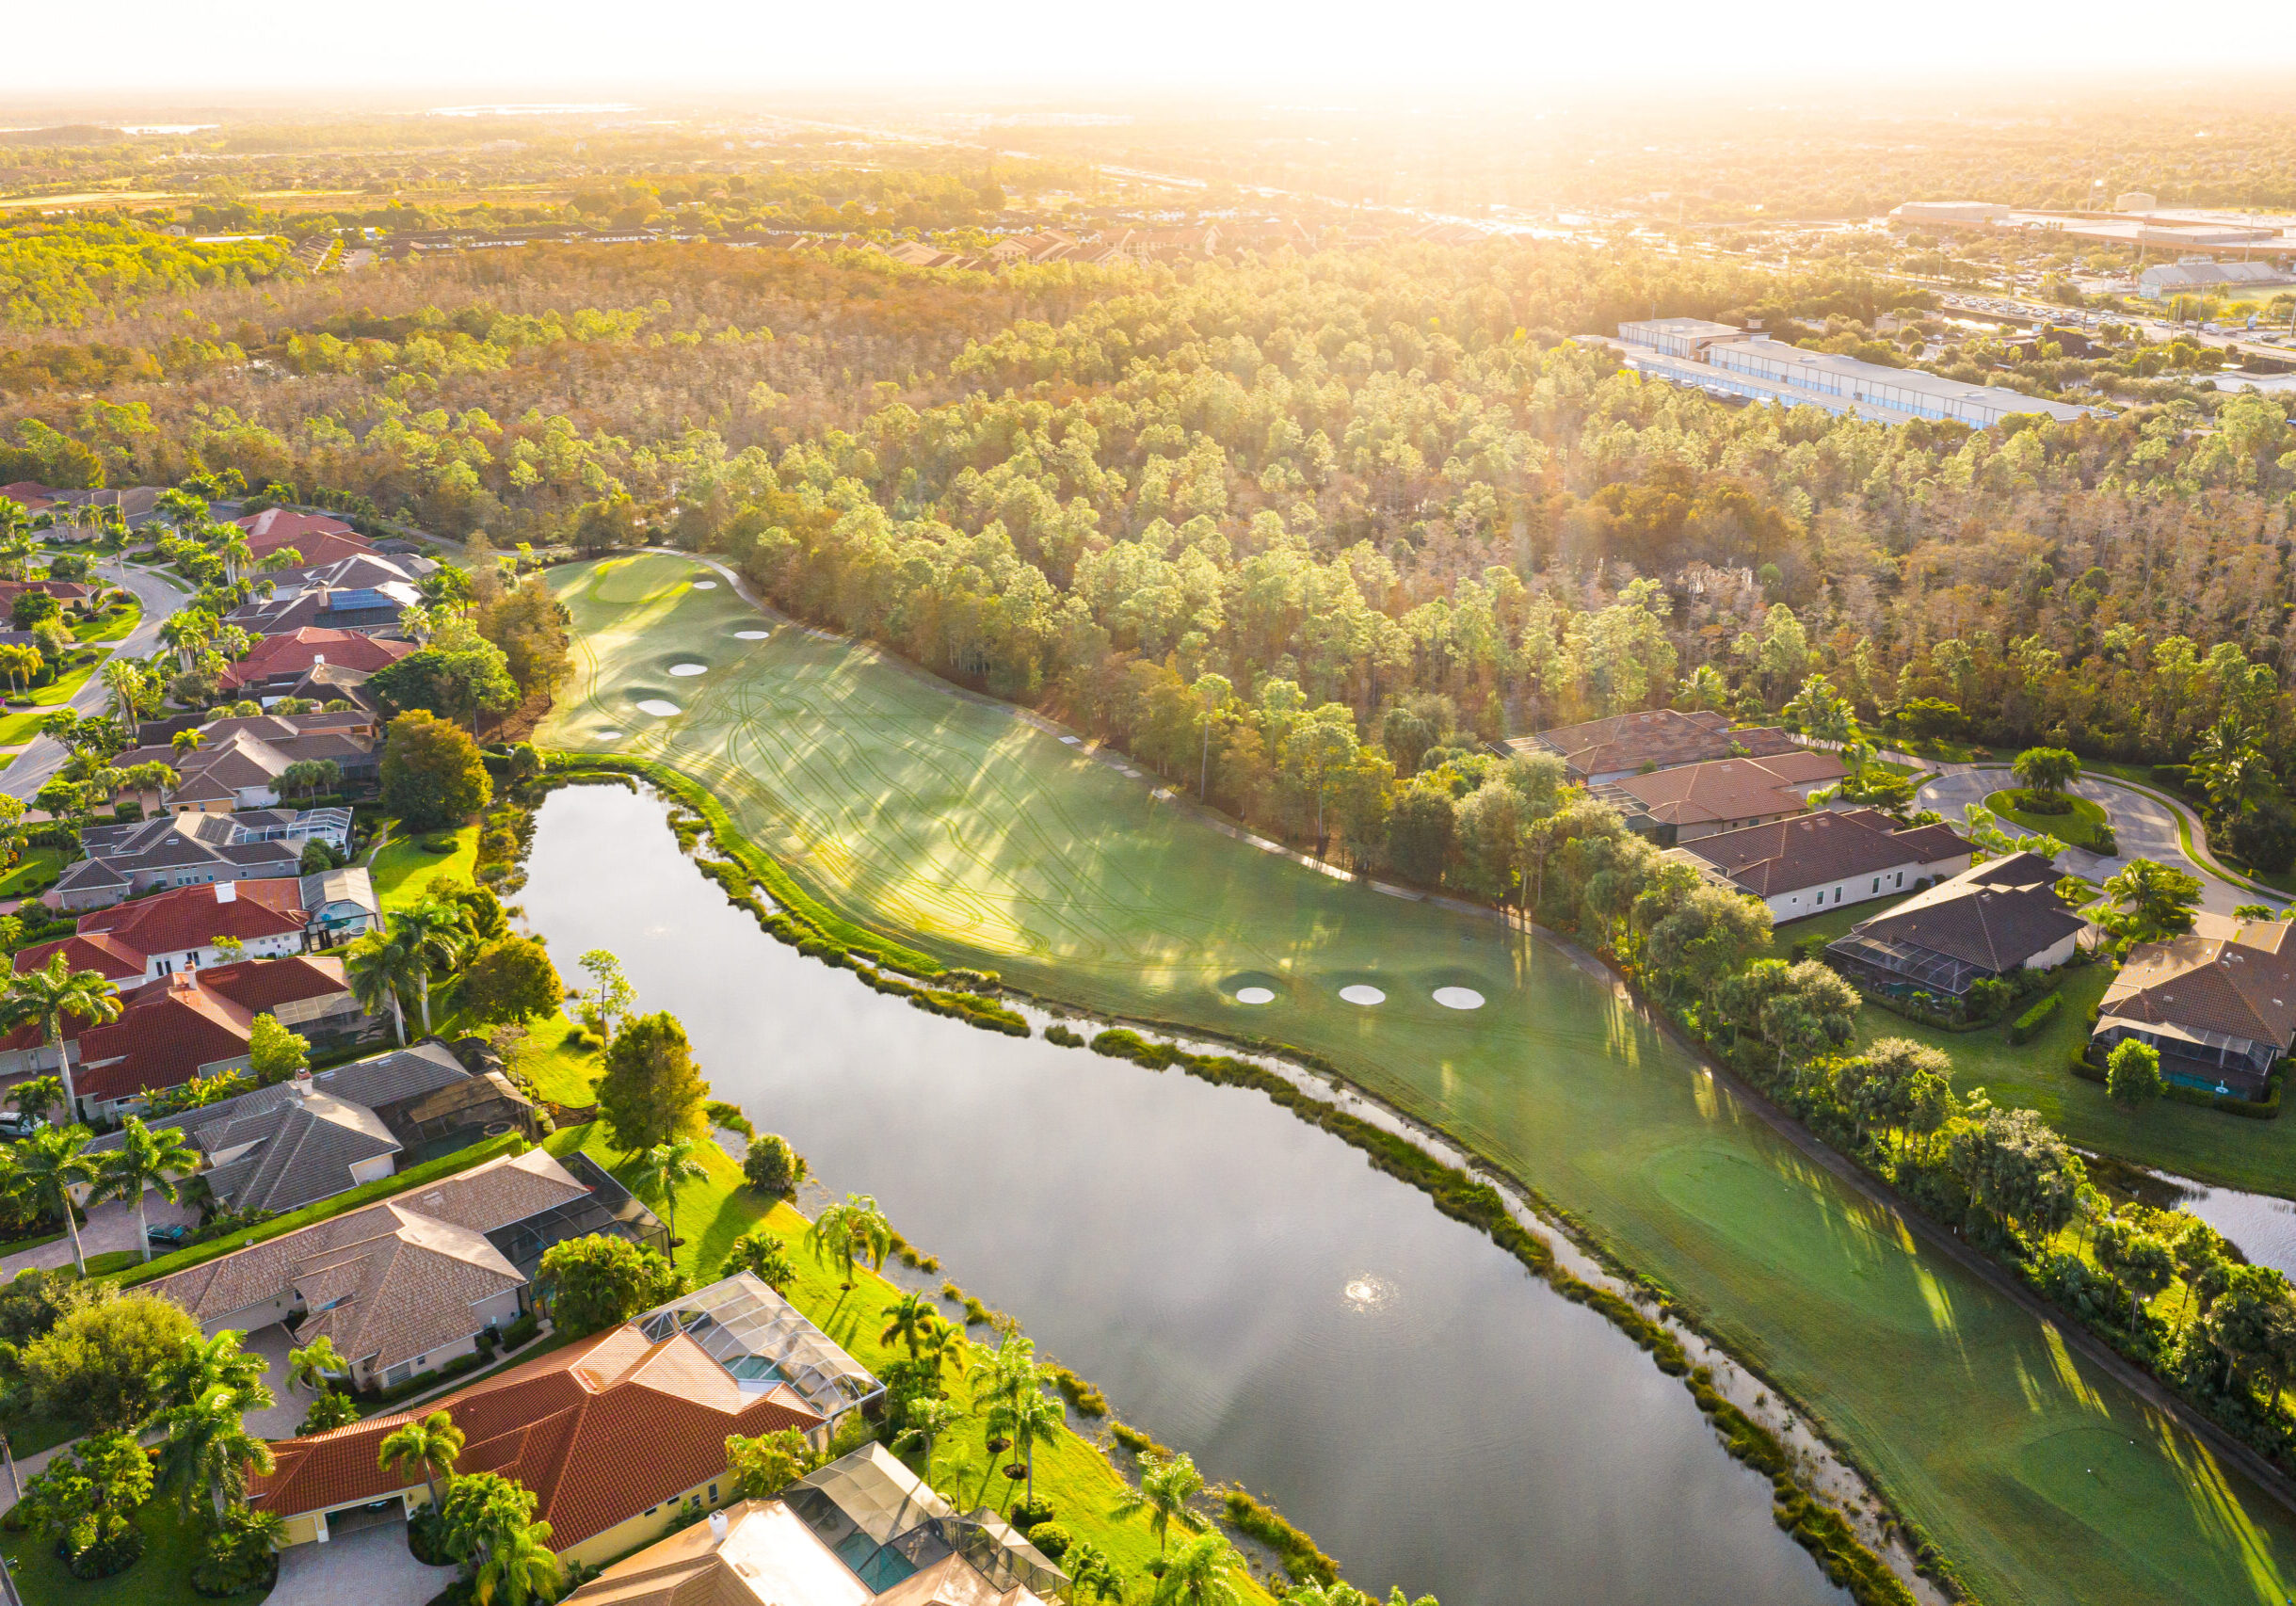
(2082, 1063)
(2027, 1026)
(1083, 1398)
(1137, 1442)
(1301, 1558)
(1064, 1035)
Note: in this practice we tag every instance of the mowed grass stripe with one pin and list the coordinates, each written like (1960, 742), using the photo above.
(2043, 1480)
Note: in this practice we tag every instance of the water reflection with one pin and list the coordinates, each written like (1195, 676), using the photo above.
(1447, 1423)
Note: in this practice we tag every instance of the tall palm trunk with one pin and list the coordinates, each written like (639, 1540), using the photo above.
(398, 1017)
(143, 1224)
(422, 987)
(63, 1066)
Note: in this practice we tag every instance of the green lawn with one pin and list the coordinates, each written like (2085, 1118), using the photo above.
(1083, 1485)
(161, 1578)
(561, 1071)
(957, 825)
(402, 867)
(1937, 750)
(38, 866)
(24, 723)
(2078, 828)
(1834, 923)
(106, 628)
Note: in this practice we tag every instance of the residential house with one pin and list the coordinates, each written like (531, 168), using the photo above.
(192, 1023)
(1698, 800)
(863, 1530)
(2217, 1003)
(71, 596)
(370, 610)
(177, 929)
(1996, 917)
(193, 849)
(317, 1134)
(316, 537)
(406, 1284)
(1623, 745)
(615, 1433)
(279, 664)
(241, 761)
(1821, 861)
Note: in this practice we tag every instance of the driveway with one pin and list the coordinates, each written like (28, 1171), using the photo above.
(2144, 828)
(282, 1419)
(110, 1225)
(369, 1568)
(45, 755)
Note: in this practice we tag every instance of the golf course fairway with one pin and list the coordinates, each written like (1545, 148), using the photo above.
(962, 826)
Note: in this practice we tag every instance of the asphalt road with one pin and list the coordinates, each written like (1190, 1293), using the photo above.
(2144, 828)
(45, 755)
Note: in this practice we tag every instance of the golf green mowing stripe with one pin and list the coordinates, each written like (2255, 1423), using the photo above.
(966, 827)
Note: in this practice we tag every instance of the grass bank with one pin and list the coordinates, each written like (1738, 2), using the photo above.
(402, 867)
(2081, 826)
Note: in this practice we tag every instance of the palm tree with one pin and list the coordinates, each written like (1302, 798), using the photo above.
(927, 1420)
(186, 632)
(204, 1365)
(49, 1164)
(188, 742)
(948, 1349)
(208, 1444)
(124, 680)
(37, 1094)
(49, 995)
(1166, 1489)
(846, 1230)
(516, 1564)
(2045, 770)
(1029, 1419)
(764, 1257)
(1198, 1576)
(378, 966)
(913, 1318)
(144, 1160)
(431, 1444)
(1089, 1568)
(436, 933)
(312, 1365)
(660, 1171)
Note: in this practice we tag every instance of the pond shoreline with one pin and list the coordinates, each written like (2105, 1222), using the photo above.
(1820, 1468)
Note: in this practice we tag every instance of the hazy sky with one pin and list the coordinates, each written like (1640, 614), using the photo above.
(1783, 49)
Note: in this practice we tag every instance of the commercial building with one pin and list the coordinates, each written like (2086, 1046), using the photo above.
(1727, 361)
(2187, 277)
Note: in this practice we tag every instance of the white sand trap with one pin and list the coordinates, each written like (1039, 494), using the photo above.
(1255, 995)
(751, 635)
(659, 708)
(689, 668)
(608, 735)
(1458, 998)
(1130, 773)
(1363, 995)
(1072, 741)
(705, 584)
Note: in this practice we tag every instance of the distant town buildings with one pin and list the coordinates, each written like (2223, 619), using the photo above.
(1726, 361)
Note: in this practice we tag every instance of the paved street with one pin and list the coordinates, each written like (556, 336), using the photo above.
(2144, 828)
(160, 598)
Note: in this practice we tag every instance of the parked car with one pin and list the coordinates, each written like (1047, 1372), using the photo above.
(169, 1235)
(18, 1124)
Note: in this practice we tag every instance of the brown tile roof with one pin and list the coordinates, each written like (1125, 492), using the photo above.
(277, 527)
(1995, 915)
(407, 1270)
(277, 656)
(1827, 845)
(1731, 789)
(2238, 978)
(1662, 737)
(601, 1431)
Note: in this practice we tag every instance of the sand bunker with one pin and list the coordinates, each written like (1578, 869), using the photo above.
(751, 635)
(659, 708)
(705, 584)
(1255, 995)
(1363, 995)
(689, 668)
(1458, 998)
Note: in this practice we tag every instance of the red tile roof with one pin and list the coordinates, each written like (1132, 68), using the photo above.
(278, 528)
(192, 917)
(599, 1431)
(292, 651)
(104, 954)
(172, 1026)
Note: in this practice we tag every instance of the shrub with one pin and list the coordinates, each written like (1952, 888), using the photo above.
(772, 1166)
(2132, 1072)
(596, 1281)
(1050, 1538)
(2027, 1026)
(1026, 1513)
(1085, 1400)
(331, 1410)
(731, 1118)
(1057, 1033)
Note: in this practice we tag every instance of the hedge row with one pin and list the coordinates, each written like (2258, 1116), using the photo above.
(761, 867)
(2027, 1026)
(2266, 1109)
(1818, 1528)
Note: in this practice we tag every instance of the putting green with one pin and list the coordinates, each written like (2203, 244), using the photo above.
(959, 823)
